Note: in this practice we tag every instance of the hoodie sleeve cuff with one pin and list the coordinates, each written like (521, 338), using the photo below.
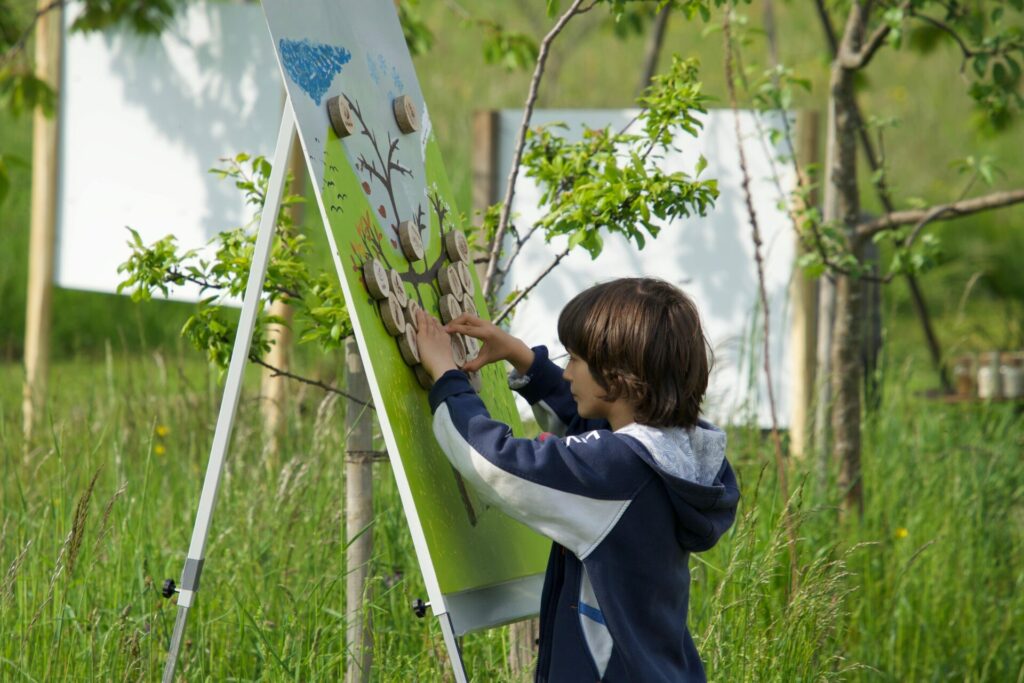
(449, 384)
(542, 379)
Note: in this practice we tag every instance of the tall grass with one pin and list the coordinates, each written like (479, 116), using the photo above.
(926, 587)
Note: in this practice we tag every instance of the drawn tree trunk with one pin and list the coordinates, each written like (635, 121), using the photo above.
(358, 517)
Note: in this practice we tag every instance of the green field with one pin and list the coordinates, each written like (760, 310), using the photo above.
(928, 586)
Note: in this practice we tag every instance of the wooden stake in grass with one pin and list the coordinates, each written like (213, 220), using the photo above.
(358, 518)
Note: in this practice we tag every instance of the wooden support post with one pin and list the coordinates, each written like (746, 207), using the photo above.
(485, 172)
(486, 129)
(49, 31)
(358, 517)
(804, 297)
(274, 390)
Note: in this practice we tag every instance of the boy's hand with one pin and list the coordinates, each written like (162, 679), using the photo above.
(497, 344)
(435, 345)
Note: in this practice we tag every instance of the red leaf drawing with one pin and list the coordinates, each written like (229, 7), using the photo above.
(382, 212)
(366, 187)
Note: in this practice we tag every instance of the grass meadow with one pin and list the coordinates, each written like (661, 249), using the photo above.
(98, 509)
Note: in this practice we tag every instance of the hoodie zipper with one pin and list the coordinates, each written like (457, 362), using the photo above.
(550, 612)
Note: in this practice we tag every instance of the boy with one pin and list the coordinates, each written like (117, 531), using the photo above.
(636, 483)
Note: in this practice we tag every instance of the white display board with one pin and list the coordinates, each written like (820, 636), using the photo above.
(711, 257)
(142, 121)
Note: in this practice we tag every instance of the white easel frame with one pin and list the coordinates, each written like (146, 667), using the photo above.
(229, 408)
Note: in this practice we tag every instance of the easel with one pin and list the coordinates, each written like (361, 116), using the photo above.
(193, 568)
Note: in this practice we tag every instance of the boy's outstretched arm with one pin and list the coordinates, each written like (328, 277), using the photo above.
(536, 377)
(572, 490)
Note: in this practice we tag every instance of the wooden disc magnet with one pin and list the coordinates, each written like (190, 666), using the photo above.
(408, 346)
(448, 279)
(392, 315)
(464, 276)
(423, 377)
(412, 307)
(405, 114)
(398, 288)
(449, 308)
(456, 246)
(472, 346)
(458, 350)
(376, 278)
(342, 121)
(412, 242)
(468, 304)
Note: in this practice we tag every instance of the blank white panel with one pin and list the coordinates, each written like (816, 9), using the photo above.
(710, 258)
(142, 121)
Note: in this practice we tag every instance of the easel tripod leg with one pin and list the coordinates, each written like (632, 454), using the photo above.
(454, 651)
(232, 386)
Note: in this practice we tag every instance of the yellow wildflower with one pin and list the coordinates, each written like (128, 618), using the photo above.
(901, 532)
(159, 449)
(162, 431)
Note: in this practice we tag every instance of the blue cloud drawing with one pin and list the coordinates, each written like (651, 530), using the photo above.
(312, 66)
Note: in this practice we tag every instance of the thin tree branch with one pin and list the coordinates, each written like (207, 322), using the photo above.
(517, 157)
(279, 372)
(653, 51)
(174, 276)
(966, 207)
(522, 295)
(780, 463)
(19, 45)
(864, 55)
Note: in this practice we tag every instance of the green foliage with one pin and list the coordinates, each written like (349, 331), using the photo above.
(320, 312)
(418, 36)
(608, 180)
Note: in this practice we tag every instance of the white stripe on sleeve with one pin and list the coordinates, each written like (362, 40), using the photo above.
(574, 521)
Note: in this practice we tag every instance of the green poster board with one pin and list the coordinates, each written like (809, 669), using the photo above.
(379, 184)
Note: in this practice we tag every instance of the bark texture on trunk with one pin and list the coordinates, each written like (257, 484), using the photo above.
(522, 654)
(846, 333)
(358, 517)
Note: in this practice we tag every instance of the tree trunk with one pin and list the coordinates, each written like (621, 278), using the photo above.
(49, 30)
(522, 652)
(274, 390)
(846, 334)
(358, 517)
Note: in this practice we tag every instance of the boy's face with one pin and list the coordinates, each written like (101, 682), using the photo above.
(585, 389)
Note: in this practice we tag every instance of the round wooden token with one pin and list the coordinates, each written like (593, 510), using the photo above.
(450, 309)
(458, 350)
(412, 242)
(448, 279)
(472, 346)
(409, 348)
(376, 279)
(405, 114)
(342, 121)
(464, 276)
(468, 304)
(456, 246)
(392, 315)
(423, 377)
(411, 308)
(398, 288)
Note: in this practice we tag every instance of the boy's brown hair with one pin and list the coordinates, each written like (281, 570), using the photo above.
(642, 340)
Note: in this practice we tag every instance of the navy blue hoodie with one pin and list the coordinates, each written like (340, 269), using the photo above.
(625, 509)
